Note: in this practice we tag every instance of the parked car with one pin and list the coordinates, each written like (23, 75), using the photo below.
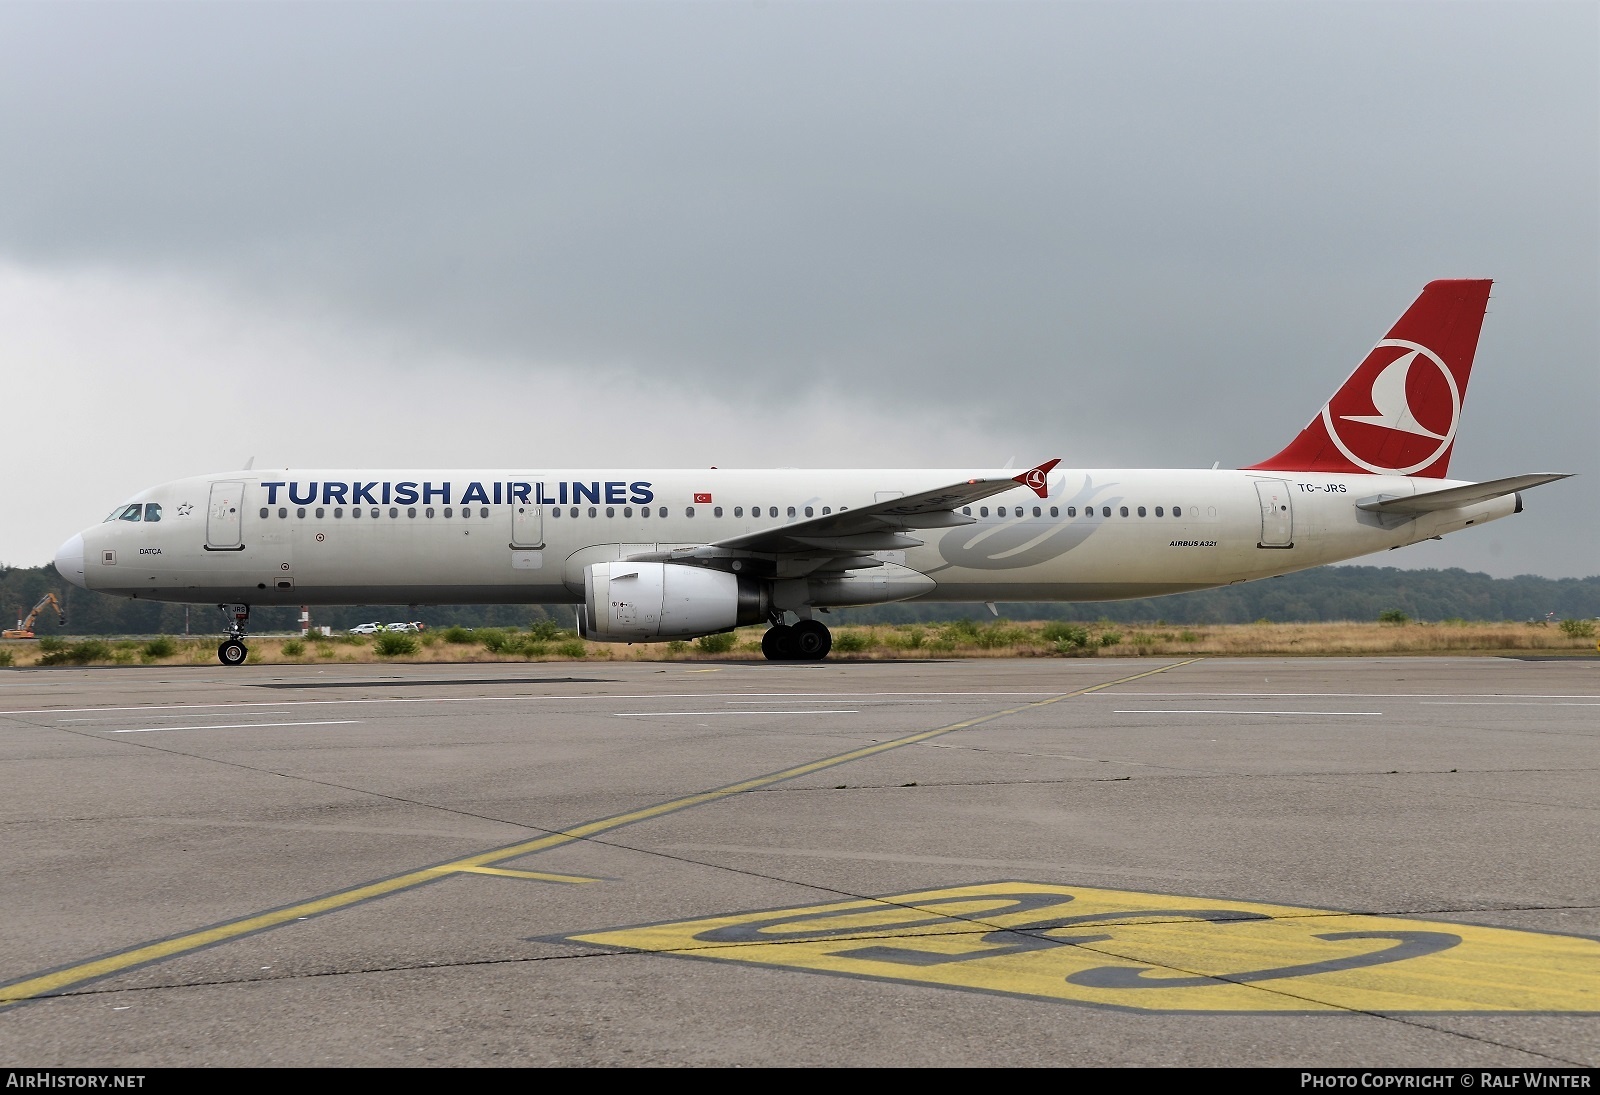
(366, 629)
(404, 625)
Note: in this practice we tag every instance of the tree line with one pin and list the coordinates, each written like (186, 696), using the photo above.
(1322, 594)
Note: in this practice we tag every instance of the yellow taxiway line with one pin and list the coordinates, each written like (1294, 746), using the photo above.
(55, 981)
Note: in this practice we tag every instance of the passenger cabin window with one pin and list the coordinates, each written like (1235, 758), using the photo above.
(1177, 511)
(627, 511)
(967, 510)
(152, 511)
(1141, 511)
(611, 511)
(717, 512)
(265, 512)
(355, 511)
(484, 512)
(447, 511)
(1124, 511)
(809, 511)
(1105, 511)
(1036, 512)
(593, 512)
(338, 511)
(644, 511)
(1158, 511)
(791, 511)
(1072, 511)
(772, 511)
(394, 511)
(301, 512)
(688, 511)
(983, 511)
(321, 512)
(826, 510)
(411, 511)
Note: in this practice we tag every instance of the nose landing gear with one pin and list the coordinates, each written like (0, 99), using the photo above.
(806, 641)
(232, 650)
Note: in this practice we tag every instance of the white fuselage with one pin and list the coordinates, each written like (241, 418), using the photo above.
(307, 537)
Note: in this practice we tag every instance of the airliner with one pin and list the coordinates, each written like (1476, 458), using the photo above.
(653, 555)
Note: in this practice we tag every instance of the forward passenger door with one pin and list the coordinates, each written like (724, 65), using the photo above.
(225, 518)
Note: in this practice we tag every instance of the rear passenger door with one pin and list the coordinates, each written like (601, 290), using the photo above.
(1277, 519)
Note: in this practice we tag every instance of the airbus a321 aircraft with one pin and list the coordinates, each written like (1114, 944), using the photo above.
(658, 555)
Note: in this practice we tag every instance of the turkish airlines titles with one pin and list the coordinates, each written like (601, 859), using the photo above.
(611, 493)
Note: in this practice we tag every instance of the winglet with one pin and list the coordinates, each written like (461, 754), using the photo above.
(1035, 478)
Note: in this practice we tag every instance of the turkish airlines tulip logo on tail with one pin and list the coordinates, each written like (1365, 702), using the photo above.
(1398, 413)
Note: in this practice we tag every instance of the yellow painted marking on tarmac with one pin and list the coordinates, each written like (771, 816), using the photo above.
(717, 670)
(54, 982)
(537, 876)
(1150, 952)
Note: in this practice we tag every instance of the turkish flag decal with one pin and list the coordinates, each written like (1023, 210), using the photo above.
(702, 499)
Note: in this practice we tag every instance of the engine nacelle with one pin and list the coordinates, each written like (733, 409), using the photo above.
(643, 602)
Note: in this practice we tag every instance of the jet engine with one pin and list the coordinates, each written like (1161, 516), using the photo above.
(643, 602)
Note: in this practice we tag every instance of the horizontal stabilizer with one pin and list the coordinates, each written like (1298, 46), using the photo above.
(1455, 497)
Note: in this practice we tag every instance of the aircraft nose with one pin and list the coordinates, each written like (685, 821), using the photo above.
(69, 561)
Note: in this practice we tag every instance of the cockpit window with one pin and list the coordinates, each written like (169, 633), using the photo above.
(132, 513)
(152, 511)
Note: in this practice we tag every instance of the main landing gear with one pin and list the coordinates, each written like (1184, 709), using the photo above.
(806, 641)
(232, 649)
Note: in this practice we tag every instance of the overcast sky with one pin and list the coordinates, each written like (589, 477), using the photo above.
(801, 234)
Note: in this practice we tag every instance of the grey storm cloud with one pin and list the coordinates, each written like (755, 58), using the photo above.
(1124, 234)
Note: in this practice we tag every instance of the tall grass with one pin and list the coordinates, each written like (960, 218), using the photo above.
(881, 642)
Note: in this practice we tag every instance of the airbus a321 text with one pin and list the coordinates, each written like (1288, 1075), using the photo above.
(658, 555)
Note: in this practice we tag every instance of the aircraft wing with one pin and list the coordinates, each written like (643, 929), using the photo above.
(861, 531)
(1452, 497)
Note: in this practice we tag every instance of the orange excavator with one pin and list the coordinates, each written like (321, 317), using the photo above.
(24, 628)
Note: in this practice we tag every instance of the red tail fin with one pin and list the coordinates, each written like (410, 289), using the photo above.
(1397, 414)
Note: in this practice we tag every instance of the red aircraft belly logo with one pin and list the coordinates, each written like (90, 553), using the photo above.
(1401, 420)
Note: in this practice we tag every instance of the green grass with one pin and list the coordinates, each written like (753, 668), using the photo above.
(395, 643)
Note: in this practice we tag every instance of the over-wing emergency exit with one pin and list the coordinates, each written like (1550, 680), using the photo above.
(676, 554)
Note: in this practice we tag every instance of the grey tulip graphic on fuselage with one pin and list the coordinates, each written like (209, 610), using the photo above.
(1021, 542)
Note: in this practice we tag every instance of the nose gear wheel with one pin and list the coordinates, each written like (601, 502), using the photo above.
(232, 650)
